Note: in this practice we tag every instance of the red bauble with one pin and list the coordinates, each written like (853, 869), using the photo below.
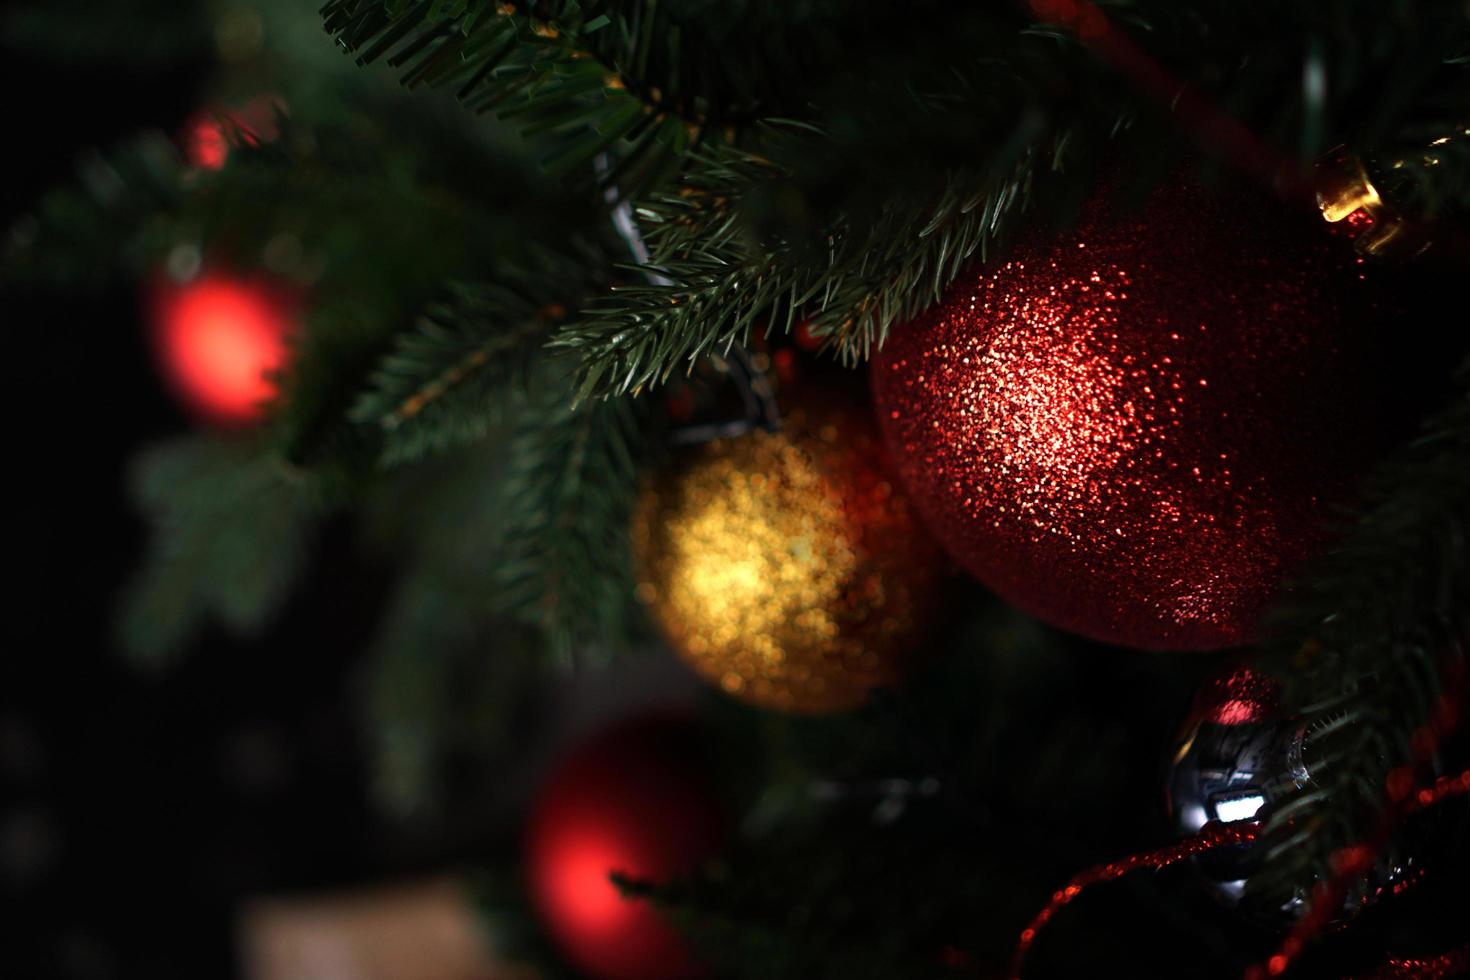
(1132, 431)
(636, 799)
(219, 342)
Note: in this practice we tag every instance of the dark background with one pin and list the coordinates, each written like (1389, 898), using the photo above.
(135, 809)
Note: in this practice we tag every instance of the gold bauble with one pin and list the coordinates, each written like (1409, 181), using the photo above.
(787, 567)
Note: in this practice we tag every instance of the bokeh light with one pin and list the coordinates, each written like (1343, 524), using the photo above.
(220, 341)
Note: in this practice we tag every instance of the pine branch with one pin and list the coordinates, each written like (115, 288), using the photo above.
(1385, 620)
(905, 174)
(856, 217)
(636, 335)
(895, 270)
(447, 669)
(405, 700)
(566, 498)
(356, 206)
(468, 361)
(546, 71)
(445, 677)
(389, 226)
(722, 286)
(446, 384)
(228, 543)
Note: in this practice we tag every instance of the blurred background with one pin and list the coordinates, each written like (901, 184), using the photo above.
(140, 810)
(281, 791)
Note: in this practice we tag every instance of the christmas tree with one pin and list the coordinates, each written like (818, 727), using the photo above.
(810, 490)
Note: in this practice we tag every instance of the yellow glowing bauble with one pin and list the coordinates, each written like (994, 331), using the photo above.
(787, 567)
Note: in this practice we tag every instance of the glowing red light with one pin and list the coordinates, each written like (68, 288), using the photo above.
(1236, 713)
(219, 342)
(584, 907)
(633, 801)
(578, 882)
(785, 362)
(205, 144)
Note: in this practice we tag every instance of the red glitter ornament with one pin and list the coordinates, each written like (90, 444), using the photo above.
(1239, 697)
(1131, 431)
(635, 799)
(220, 339)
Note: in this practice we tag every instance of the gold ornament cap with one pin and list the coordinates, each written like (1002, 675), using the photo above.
(1346, 193)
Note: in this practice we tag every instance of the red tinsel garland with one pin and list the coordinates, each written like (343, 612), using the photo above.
(1455, 963)
(1213, 836)
(1352, 862)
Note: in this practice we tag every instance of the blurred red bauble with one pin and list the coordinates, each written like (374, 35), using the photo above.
(1132, 430)
(636, 799)
(220, 339)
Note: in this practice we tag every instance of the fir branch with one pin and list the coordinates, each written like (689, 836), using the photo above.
(445, 677)
(443, 385)
(546, 71)
(721, 285)
(566, 498)
(1385, 621)
(447, 670)
(307, 421)
(894, 269)
(903, 175)
(858, 217)
(469, 359)
(228, 543)
(388, 227)
(407, 690)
